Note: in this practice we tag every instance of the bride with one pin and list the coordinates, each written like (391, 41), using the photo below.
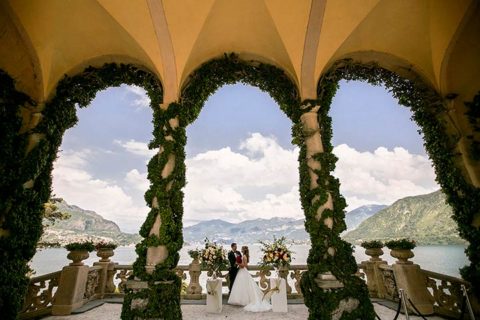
(245, 292)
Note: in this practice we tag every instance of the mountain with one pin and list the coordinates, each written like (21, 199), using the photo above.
(248, 231)
(355, 217)
(84, 225)
(425, 218)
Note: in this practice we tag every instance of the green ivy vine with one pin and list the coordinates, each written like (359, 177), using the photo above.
(25, 183)
(429, 112)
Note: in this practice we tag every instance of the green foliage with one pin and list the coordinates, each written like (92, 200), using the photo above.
(405, 244)
(87, 245)
(374, 244)
(105, 245)
(22, 203)
(52, 214)
(429, 113)
(473, 115)
(195, 254)
(20, 208)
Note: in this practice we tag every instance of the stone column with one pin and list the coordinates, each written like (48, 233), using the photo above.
(313, 142)
(158, 254)
(71, 289)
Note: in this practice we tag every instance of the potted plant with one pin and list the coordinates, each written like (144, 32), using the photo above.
(401, 249)
(79, 251)
(105, 250)
(373, 249)
(194, 270)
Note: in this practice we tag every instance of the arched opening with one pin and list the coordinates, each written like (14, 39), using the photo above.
(100, 167)
(242, 179)
(382, 165)
(430, 115)
(37, 135)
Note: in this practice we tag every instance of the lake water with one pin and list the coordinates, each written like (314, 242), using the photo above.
(441, 259)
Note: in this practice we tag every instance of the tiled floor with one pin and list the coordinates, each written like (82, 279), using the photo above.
(112, 311)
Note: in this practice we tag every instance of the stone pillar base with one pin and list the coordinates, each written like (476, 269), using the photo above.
(328, 281)
(71, 290)
(409, 277)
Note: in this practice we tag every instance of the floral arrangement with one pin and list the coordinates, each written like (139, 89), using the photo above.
(276, 254)
(213, 257)
(105, 245)
(374, 244)
(86, 245)
(404, 243)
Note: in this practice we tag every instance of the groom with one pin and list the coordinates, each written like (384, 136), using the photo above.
(232, 257)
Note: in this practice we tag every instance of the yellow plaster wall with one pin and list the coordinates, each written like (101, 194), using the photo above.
(397, 28)
(67, 34)
(16, 59)
(244, 27)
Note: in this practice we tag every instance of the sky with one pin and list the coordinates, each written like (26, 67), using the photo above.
(240, 161)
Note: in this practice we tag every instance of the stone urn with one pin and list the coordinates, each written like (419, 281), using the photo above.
(374, 253)
(194, 269)
(402, 255)
(105, 254)
(77, 256)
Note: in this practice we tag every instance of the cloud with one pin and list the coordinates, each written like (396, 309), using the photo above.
(141, 98)
(137, 180)
(261, 180)
(382, 176)
(77, 186)
(136, 147)
(258, 180)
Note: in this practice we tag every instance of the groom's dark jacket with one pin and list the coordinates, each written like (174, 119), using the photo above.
(232, 257)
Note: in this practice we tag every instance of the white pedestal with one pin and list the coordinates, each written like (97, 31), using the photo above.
(214, 296)
(279, 299)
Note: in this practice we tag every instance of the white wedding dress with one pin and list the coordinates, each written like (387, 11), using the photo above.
(245, 292)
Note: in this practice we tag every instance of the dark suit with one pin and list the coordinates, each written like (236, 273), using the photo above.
(232, 272)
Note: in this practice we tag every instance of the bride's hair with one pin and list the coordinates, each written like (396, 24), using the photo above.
(246, 253)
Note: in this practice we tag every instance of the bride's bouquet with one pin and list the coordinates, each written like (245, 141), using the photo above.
(276, 254)
(213, 257)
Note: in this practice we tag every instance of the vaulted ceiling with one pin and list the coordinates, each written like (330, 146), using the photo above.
(43, 40)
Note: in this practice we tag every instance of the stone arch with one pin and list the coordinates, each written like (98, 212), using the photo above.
(33, 135)
(158, 252)
(431, 114)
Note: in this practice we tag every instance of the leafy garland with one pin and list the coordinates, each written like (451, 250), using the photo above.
(429, 113)
(164, 285)
(21, 208)
(22, 205)
(473, 115)
(26, 183)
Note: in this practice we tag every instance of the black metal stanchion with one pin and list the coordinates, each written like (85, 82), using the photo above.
(398, 308)
(467, 302)
(404, 303)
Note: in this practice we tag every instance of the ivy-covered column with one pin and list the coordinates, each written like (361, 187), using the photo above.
(155, 291)
(330, 287)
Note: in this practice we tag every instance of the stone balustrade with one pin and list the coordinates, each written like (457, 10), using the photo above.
(442, 293)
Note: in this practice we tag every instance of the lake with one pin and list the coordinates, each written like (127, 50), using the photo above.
(441, 259)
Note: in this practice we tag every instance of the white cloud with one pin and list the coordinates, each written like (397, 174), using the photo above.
(137, 180)
(260, 180)
(77, 186)
(141, 98)
(382, 176)
(136, 147)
